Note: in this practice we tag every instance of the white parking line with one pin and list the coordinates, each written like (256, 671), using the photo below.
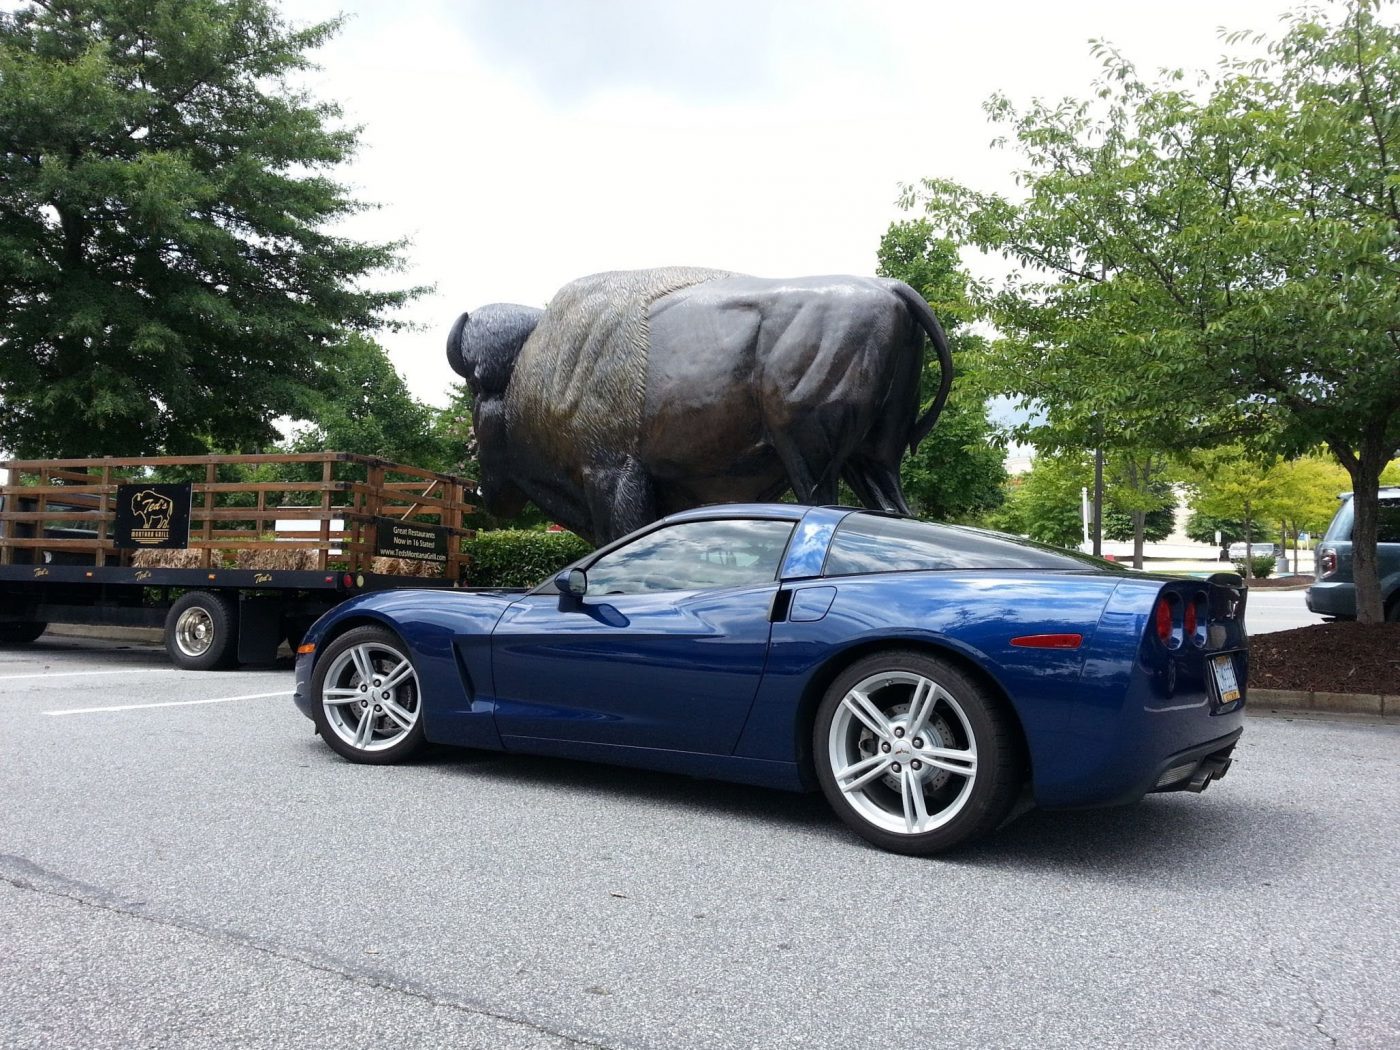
(86, 674)
(167, 703)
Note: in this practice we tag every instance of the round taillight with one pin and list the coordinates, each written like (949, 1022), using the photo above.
(1190, 619)
(347, 580)
(1164, 621)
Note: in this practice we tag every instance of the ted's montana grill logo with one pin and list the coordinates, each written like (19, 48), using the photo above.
(155, 512)
(153, 515)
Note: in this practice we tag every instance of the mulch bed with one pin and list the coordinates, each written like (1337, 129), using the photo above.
(1280, 583)
(1328, 658)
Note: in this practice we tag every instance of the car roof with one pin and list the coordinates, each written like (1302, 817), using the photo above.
(778, 511)
(1387, 491)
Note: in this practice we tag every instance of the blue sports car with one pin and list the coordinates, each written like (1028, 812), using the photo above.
(924, 677)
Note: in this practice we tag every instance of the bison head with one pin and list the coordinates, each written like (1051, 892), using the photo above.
(482, 346)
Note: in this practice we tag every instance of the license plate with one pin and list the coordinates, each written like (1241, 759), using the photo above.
(1225, 682)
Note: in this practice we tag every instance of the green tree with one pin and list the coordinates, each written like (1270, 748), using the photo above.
(1045, 502)
(1230, 483)
(1217, 258)
(1202, 528)
(361, 404)
(959, 470)
(168, 278)
(1158, 515)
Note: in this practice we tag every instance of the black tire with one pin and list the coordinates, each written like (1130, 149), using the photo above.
(21, 633)
(201, 631)
(337, 670)
(964, 718)
(1392, 611)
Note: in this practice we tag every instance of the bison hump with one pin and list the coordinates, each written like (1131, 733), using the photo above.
(579, 385)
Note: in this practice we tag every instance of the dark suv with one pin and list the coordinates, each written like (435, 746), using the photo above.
(1333, 592)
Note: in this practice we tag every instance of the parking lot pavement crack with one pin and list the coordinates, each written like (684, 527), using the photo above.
(24, 874)
(1310, 990)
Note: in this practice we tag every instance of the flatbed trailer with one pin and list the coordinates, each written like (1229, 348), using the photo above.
(331, 526)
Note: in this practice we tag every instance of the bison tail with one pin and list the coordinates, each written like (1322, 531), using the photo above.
(929, 323)
(454, 346)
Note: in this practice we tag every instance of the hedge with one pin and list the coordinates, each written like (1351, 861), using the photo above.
(520, 557)
(1261, 564)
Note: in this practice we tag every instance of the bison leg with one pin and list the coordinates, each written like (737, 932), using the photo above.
(876, 484)
(621, 499)
(813, 452)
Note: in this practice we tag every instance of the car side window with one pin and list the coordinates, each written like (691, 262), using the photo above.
(1388, 525)
(694, 555)
(871, 543)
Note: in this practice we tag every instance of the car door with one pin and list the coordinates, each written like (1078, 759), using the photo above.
(664, 650)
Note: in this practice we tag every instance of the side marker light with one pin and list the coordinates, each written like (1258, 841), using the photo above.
(1049, 641)
(303, 650)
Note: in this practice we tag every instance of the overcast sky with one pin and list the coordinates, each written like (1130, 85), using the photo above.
(523, 143)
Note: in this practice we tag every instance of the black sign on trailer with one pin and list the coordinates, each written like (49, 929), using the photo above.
(153, 516)
(411, 540)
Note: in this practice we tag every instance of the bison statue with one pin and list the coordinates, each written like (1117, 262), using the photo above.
(639, 393)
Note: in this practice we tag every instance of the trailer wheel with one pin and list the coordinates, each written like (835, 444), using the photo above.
(201, 631)
(21, 633)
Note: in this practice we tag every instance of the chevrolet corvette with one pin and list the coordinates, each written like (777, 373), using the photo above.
(926, 678)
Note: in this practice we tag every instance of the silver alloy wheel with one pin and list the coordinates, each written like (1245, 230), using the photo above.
(902, 752)
(194, 631)
(370, 696)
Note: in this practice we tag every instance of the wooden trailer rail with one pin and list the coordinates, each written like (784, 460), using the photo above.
(67, 508)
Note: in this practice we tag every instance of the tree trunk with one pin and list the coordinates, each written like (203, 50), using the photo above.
(1139, 536)
(1248, 545)
(1282, 565)
(1366, 483)
(1364, 466)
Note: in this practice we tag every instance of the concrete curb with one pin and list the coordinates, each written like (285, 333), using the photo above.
(1329, 703)
(152, 635)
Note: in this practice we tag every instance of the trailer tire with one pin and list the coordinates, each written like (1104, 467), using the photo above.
(201, 631)
(21, 633)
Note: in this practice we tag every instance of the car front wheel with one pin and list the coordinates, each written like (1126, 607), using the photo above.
(914, 754)
(367, 701)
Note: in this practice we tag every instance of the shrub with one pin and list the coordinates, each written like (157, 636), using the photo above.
(1262, 566)
(519, 557)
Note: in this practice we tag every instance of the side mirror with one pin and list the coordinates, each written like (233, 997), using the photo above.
(572, 582)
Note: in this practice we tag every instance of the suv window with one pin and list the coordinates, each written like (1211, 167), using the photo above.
(866, 543)
(1387, 525)
(694, 555)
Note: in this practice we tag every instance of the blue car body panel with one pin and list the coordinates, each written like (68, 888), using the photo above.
(722, 683)
(700, 654)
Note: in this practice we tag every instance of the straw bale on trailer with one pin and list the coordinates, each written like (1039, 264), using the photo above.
(168, 558)
(406, 567)
(295, 558)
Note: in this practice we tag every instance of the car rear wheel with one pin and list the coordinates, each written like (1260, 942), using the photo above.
(367, 701)
(915, 754)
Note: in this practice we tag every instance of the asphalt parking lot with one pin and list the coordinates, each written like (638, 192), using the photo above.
(1268, 611)
(183, 864)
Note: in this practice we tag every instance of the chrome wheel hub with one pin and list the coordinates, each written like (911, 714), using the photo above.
(902, 752)
(194, 631)
(370, 696)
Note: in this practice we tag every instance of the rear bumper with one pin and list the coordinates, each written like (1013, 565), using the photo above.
(1331, 598)
(1193, 769)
